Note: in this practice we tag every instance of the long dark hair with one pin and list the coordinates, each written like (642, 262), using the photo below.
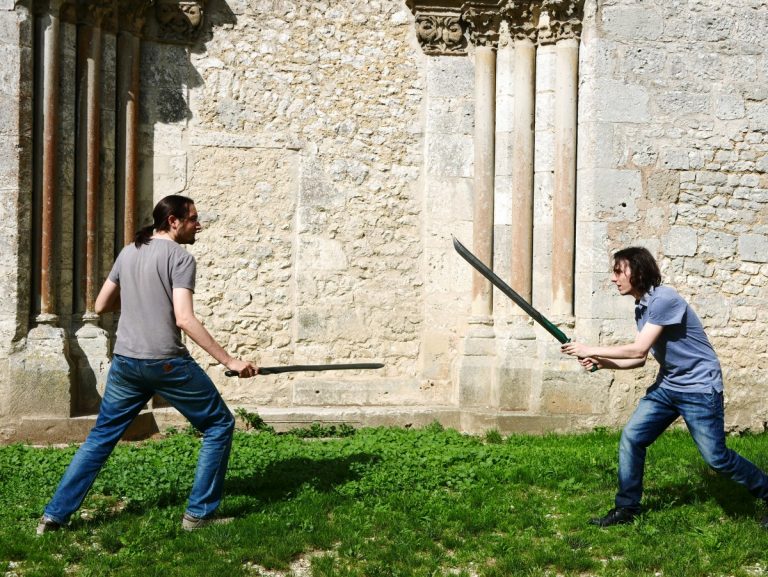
(645, 272)
(172, 205)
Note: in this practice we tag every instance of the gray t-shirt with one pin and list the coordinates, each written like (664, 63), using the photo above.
(147, 276)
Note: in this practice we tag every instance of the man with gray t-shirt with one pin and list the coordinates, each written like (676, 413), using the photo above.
(689, 384)
(152, 282)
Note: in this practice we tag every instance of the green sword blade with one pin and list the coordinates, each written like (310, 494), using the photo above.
(480, 267)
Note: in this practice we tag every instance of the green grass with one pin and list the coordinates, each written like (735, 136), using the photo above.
(387, 503)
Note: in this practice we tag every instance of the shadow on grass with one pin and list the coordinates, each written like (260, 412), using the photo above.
(706, 484)
(282, 479)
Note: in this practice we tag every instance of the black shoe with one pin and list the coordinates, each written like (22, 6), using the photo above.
(616, 516)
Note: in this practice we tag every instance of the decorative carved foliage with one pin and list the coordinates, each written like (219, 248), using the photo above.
(441, 33)
(442, 25)
(133, 15)
(565, 18)
(483, 24)
(522, 17)
(178, 21)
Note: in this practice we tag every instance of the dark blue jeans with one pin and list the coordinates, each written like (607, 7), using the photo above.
(130, 385)
(703, 414)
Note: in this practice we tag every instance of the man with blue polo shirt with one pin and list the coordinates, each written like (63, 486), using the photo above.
(689, 384)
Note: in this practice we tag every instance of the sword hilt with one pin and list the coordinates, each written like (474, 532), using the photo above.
(594, 366)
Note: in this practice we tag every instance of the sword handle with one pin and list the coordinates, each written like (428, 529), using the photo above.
(236, 373)
(594, 367)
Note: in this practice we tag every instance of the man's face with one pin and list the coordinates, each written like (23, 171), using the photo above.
(188, 227)
(622, 277)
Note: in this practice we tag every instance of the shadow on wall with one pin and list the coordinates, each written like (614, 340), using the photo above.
(172, 33)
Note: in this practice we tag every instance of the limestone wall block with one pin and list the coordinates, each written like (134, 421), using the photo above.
(631, 23)
(681, 241)
(753, 247)
(450, 155)
(620, 102)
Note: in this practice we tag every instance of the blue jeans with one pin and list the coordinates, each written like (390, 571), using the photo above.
(130, 385)
(703, 414)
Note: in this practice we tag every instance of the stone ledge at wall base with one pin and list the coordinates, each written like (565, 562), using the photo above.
(54, 430)
(472, 421)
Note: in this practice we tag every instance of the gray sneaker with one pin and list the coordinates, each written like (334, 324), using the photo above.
(192, 523)
(47, 525)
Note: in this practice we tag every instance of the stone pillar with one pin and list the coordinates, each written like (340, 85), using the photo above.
(564, 193)
(565, 25)
(131, 22)
(51, 49)
(93, 342)
(477, 374)
(523, 32)
(40, 373)
(90, 80)
(518, 361)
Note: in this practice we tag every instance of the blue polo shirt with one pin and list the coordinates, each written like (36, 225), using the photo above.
(687, 360)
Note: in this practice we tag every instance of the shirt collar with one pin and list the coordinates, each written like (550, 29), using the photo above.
(643, 302)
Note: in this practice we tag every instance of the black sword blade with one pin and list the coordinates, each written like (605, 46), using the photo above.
(298, 368)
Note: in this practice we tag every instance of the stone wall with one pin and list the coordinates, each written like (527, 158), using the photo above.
(674, 126)
(332, 159)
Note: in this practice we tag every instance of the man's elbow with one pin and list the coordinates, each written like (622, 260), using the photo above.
(184, 322)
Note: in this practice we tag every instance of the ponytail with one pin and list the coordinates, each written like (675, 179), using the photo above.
(143, 235)
(172, 205)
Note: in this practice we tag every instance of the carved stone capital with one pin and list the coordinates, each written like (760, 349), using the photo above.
(133, 16)
(442, 26)
(439, 28)
(565, 20)
(522, 17)
(96, 13)
(483, 23)
(178, 21)
(441, 33)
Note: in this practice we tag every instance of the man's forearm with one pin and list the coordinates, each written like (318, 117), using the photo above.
(618, 352)
(619, 364)
(195, 330)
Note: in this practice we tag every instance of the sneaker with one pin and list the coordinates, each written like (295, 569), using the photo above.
(192, 523)
(46, 525)
(616, 516)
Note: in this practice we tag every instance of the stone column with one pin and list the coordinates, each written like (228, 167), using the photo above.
(50, 23)
(477, 373)
(92, 340)
(40, 373)
(565, 24)
(523, 32)
(90, 126)
(484, 27)
(517, 363)
(131, 22)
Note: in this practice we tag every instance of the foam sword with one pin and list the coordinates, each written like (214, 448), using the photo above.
(480, 267)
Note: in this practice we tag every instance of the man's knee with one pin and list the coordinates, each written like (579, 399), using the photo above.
(721, 461)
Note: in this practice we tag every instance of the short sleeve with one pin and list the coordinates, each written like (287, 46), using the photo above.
(114, 274)
(668, 308)
(183, 271)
